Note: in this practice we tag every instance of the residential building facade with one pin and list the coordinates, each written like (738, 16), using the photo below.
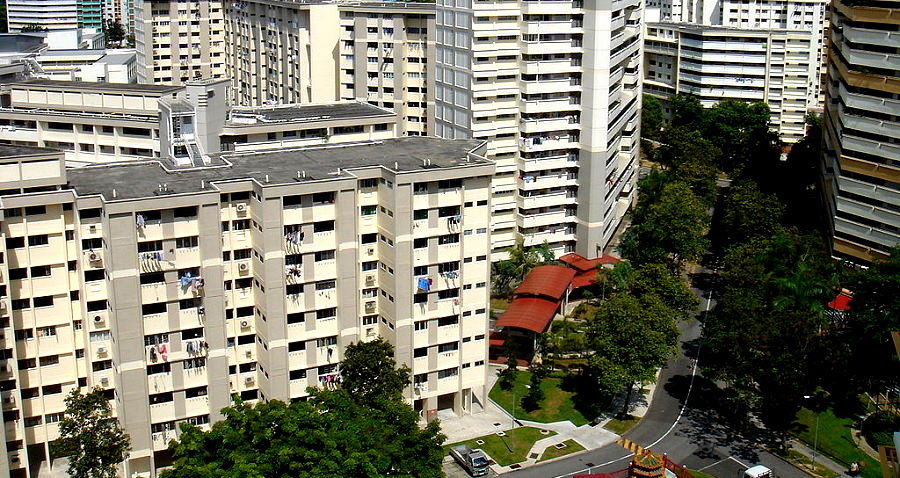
(554, 87)
(49, 14)
(763, 50)
(861, 178)
(174, 289)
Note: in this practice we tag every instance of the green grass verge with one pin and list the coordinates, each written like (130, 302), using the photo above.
(555, 407)
(805, 463)
(620, 427)
(835, 441)
(501, 304)
(509, 449)
(552, 452)
(700, 474)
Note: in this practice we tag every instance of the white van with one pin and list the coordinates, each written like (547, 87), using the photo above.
(758, 471)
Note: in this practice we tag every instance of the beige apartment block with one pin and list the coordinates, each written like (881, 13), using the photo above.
(102, 122)
(861, 176)
(287, 52)
(174, 289)
(555, 89)
(179, 41)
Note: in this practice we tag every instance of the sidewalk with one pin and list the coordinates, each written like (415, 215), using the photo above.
(804, 450)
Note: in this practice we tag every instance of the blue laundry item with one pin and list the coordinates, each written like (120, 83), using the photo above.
(423, 284)
(186, 280)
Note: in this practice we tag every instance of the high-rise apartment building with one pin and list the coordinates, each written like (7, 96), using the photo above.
(554, 87)
(179, 41)
(49, 14)
(861, 128)
(174, 289)
(764, 50)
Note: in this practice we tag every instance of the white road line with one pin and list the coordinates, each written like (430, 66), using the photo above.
(729, 457)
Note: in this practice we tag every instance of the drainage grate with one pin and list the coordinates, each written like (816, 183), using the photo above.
(533, 455)
(501, 434)
(545, 432)
(560, 446)
(589, 465)
(479, 442)
(496, 424)
(515, 467)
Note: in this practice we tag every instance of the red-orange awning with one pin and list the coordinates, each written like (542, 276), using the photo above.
(578, 262)
(529, 313)
(584, 279)
(549, 281)
(840, 303)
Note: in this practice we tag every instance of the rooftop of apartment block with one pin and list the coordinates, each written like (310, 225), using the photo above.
(8, 151)
(95, 86)
(286, 166)
(305, 112)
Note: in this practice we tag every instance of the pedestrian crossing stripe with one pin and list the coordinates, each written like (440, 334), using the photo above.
(630, 446)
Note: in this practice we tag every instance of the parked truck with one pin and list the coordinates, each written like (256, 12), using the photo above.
(474, 461)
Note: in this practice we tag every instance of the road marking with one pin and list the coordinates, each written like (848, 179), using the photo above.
(729, 457)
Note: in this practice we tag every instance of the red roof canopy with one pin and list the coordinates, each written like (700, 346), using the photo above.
(549, 281)
(580, 263)
(529, 313)
(584, 279)
(840, 303)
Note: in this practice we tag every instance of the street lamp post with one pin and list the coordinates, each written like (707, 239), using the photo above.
(815, 438)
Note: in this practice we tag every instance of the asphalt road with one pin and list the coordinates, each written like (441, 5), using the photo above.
(689, 434)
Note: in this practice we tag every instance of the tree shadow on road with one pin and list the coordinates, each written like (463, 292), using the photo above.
(713, 420)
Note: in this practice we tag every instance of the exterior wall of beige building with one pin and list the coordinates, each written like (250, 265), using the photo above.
(179, 41)
(174, 291)
(99, 122)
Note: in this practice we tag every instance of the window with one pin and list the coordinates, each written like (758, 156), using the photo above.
(40, 271)
(155, 308)
(448, 239)
(27, 363)
(420, 243)
(326, 341)
(447, 373)
(158, 368)
(329, 313)
(45, 301)
(156, 339)
(447, 321)
(298, 374)
(100, 336)
(296, 318)
(370, 238)
(325, 285)
(47, 331)
(187, 242)
(323, 226)
(38, 240)
(324, 256)
(35, 210)
(19, 304)
(368, 210)
(185, 212)
(448, 293)
(94, 275)
(23, 334)
(420, 214)
(161, 398)
(15, 242)
(53, 417)
(420, 352)
(101, 365)
(323, 198)
(51, 389)
(368, 183)
(192, 363)
(421, 325)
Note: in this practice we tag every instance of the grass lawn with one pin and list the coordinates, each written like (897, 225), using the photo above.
(835, 441)
(509, 449)
(556, 406)
(572, 446)
(501, 304)
(620, 427)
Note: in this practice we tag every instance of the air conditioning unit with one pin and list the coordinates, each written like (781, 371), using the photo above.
(370, 332)
(104, 381)
(101, 350)
(245, 324)
(370, 279)
(243, 267)
(370, 306)
(370, 250)
(241, 207)
(248, 379)
(98, 319)
(93, 256)
(9, 399)
(423, 387)
(249, 353)
(14, 459)
(92, 228)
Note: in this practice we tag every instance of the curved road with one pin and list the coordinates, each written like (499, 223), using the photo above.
(678, 423)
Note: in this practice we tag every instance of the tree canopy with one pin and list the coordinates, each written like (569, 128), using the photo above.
(91, 437)
(333, 433)
(507, 274)
(651, 117)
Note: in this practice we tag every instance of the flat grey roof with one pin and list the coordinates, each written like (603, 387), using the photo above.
(281, 166)
(310, 112)
(13, 150)
(90, 85)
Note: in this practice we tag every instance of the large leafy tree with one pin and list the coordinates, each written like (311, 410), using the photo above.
(507, 274)
(90, 436)
(651, 117)
(334, 433)
(750, 213)
(657, 281)
(630, 338)
(670, 231)
(370, 374)
(868, 356)
(114, 32)
(764, 338)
